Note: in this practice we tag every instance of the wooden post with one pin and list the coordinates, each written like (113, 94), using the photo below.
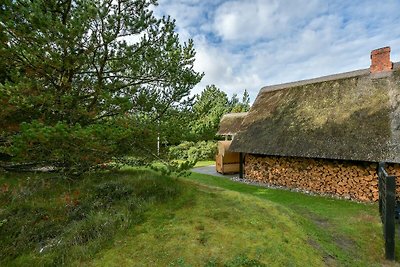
(241, 165)
(390, 217)
(381, 167)
(387, 208)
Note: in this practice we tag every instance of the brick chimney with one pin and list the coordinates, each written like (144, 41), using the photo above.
(380, 60)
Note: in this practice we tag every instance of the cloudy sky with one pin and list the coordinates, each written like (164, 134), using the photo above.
(247, 44)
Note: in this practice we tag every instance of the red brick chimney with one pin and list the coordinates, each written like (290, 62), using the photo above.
(380, 60)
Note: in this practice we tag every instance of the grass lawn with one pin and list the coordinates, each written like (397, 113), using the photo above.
(347, 233)
(213, 227)
(223, 223)
(140, 218)
(204, 163)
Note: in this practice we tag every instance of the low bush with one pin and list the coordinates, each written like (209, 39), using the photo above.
(202, 150)
(181, 151)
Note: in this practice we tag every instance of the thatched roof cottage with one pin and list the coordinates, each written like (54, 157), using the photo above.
(317, 133)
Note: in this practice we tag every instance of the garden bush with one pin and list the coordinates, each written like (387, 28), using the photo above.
(202, 150)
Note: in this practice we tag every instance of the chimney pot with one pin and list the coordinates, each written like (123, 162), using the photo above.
(380, 60)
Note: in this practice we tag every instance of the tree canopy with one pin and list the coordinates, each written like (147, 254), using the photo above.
(210, 106)
(85, 81)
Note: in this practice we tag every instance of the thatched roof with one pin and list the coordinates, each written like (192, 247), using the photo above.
(350, 116)
(230, 123)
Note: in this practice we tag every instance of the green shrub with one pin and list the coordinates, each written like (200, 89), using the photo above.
(181, 151)
(202, 150)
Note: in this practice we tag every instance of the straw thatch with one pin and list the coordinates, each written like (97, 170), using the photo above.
(350, 116)
(230, 123)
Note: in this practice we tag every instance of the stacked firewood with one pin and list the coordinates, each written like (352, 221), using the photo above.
(351, 180)
(394, 169)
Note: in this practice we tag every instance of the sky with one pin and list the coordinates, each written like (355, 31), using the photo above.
(248, 44)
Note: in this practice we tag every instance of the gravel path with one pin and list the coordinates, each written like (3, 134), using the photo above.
(210, 170)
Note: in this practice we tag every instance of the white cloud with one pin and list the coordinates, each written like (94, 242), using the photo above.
(245, 21)
(247, 44)
(224, 69)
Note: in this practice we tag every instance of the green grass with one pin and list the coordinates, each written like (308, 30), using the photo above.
(214, 227)
(140, 218)
(347, 233)
(47, 220)
(204, 163)
(223, 223)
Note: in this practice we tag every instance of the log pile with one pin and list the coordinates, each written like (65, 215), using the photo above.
(351, 180)
(394, 169)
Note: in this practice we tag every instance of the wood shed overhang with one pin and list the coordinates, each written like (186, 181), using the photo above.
(230, 123)
(349, 116)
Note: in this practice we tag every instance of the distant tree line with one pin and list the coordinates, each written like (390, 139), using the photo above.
(208, 109)
(198, 136)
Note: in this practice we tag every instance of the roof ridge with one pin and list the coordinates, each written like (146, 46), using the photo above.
(235, 114)
(332, 77)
